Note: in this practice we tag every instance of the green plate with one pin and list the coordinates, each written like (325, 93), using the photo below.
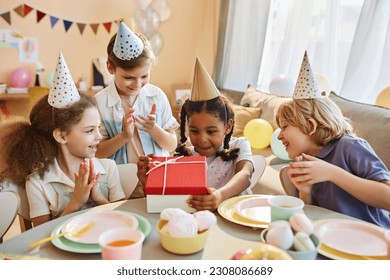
(75, 247)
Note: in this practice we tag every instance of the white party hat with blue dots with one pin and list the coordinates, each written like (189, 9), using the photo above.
(63, 91)
(127, 45)
(306, 86)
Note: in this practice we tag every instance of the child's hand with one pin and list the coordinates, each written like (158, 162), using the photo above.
(308, 171)
(93, 179)
(208, 201)
(82, 187)
(143, 167)
(147, 123)
(128, 123)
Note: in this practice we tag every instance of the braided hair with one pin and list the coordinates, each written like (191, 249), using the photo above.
(221, 108)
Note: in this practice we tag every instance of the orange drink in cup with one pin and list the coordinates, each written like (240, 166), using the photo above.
(121, 244)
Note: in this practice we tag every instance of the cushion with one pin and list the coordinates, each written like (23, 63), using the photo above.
(370, 122)
(242, 116)
(268, 103)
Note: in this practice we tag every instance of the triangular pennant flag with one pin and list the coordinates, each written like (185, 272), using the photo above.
(94, 27)
(107, 25)
(53, 21)
(81, 27)
(67, 24)
(7, 17)
(63, 91)
(203, 87)
(19, 10)
(40, 16)
(26, 10)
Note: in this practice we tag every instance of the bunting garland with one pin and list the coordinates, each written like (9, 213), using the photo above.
(23, 10)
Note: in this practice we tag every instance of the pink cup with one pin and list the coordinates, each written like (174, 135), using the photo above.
(121, 244)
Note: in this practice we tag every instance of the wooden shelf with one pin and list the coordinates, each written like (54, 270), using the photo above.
(13, 96)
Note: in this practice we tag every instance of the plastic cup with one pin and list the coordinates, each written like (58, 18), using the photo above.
(121, 244)
(284, 206)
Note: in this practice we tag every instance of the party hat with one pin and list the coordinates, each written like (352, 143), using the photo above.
(203, 87)
(127, 44)
(63, 91)
(306, 86)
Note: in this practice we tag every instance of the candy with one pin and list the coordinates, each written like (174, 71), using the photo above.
(205, 219)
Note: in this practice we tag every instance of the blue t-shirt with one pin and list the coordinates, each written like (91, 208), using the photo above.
(356, 156)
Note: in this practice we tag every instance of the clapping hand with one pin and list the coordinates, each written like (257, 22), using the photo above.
(128, 123)
(147, 123)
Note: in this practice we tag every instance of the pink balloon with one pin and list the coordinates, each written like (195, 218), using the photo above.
(20, 77)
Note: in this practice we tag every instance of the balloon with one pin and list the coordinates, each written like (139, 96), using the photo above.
(277, 146)
(162, 8)
(323, 84)
(259, 133)
(20, 77)
(157, 43)
(147, 21)
(281, 85)
(143, 4)
(49, 78)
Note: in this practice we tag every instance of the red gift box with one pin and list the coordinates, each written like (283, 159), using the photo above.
(177, 176)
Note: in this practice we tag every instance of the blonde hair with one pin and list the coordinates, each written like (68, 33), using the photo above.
(331, 124)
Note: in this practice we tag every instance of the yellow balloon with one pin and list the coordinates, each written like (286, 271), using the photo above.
(259, 133)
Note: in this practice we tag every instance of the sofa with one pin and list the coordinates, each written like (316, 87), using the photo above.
(369, 121)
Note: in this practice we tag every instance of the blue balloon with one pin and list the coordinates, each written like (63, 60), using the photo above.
(277, 146)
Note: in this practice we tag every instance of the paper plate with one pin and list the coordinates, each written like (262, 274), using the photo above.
(71, 246)
(255, 208)
(352, 237)
(104, 220)
(227, 211)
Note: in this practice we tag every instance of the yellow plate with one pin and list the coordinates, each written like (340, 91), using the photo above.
(226, 210)
(338, 255)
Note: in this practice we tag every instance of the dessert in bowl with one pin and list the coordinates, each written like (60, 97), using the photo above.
(295, 236)
(183, 233)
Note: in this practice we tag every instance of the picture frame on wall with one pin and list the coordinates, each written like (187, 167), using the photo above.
(181, 93)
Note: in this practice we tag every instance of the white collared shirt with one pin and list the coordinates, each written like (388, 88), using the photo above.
(51, 194)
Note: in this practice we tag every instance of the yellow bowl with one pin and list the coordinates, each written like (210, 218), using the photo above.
(181, 245)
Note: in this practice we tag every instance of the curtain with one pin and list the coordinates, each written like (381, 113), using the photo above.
(240, 44)
(324, 28)
(368, 70)
(346, 40)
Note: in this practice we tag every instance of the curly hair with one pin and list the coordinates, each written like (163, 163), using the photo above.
(219, 107)
(331, 124)
(146, 57)
(29, 147)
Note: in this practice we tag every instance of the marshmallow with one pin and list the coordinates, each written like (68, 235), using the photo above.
(300, 222)
(280, 236)
(205, 219)
(302, 242)
(168, 213)
(182, 226)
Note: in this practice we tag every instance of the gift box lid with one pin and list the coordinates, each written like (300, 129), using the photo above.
(183, 175)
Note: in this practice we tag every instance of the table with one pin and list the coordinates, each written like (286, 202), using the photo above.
(225, 232)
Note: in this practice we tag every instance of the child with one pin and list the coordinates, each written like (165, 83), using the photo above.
(55, 153)
(333, 168)
(210, 125)
(136, 116)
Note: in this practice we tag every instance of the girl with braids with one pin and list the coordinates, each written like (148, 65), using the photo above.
(53, 155)
(209, 119)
